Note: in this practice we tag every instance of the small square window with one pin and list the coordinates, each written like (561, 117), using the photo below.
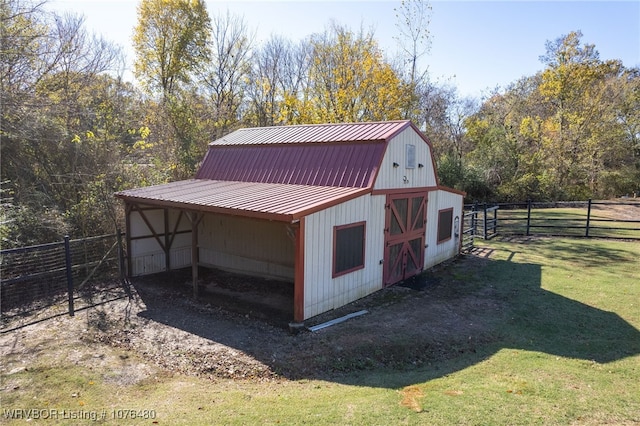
(410, 156)
(348, 249)
(445, 222)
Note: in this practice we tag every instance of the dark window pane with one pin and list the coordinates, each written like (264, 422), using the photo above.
(417, 211)
(445, 219)
(398, 222)
(349, 252)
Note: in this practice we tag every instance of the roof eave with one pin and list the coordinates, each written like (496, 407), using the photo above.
(280, 217)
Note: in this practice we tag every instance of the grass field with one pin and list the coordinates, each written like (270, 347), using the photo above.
(604, 222)
(565, 349)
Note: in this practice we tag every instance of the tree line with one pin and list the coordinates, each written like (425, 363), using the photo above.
(73, 131)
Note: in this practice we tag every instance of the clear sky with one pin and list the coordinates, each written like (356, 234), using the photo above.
(476, 45)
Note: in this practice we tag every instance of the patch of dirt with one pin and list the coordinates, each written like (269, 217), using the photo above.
(433, 316)
(630, 210)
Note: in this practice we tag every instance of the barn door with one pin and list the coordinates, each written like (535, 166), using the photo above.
(404, 236)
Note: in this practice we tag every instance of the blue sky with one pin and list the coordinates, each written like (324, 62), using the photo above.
(476, 45)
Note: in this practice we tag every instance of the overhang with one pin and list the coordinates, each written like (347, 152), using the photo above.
(273, 201)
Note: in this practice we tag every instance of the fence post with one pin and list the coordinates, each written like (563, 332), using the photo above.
(474, 219)
(528, 216)
(588, 217)
(122, 270)
(484, 221)
(67, 257)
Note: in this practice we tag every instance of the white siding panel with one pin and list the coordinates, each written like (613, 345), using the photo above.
(149, 263)
(245, 265)
(147, 255)
(437, 253)
(322, 292)
(401, 177)
(181, 258)
(138, 227)
(246, 245)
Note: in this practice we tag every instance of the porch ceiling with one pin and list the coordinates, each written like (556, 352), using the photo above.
(283, 202)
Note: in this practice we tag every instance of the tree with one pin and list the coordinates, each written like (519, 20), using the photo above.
(582, 93)
(226, 73)
(171, 43)
(349, 80)
(66, 129)
(413, 18)
(568, 132)
(278, 82)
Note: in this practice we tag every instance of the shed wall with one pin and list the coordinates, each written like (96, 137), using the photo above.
(147, 255)
(390, 177)
(322, 292)
(247, 245)
(436, 253)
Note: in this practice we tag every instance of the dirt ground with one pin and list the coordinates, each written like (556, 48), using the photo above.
(221, 336)
(628, 211)
(238, 328)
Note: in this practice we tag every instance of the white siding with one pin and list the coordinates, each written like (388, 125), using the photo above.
(246, 245)
(401, 177)
(436, 253)
(147, 255)
(322, 292)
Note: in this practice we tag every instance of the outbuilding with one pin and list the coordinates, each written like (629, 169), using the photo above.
(339, 210)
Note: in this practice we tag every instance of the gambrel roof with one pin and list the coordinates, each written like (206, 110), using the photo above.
(281, 173)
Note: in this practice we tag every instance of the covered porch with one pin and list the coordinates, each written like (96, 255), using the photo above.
(254, 229)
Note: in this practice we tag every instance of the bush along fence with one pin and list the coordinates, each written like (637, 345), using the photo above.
(601, 219)
(62, 277)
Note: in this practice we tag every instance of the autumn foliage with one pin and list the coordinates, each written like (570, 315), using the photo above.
(73, 131)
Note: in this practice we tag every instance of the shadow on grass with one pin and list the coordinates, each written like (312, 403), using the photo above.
(462, 315)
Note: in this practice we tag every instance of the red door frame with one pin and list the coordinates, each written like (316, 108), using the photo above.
(395, 270)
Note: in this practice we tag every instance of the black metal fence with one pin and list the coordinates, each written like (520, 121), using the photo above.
(46, 280)
(602, 219)
(469, 230)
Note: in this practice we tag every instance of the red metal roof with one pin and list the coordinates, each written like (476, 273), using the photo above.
(273, 201)
(280, 173)
(345, 165)
(314, 133)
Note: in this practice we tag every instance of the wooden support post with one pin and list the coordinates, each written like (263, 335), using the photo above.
(195, 219)
(298, 281)
(127, 235)
(167, 246)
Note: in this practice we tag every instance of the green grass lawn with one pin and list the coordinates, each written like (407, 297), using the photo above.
(565, 350)
(567, 222)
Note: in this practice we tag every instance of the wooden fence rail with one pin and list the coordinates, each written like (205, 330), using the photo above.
(602, 219)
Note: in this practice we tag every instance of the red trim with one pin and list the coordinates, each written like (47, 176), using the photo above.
(376, 171)
(452, 190)
(450, 226)
(329, 203)
(298, 280)
(410, 232)
(335, 274)
(153, 204)
(408, 191)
